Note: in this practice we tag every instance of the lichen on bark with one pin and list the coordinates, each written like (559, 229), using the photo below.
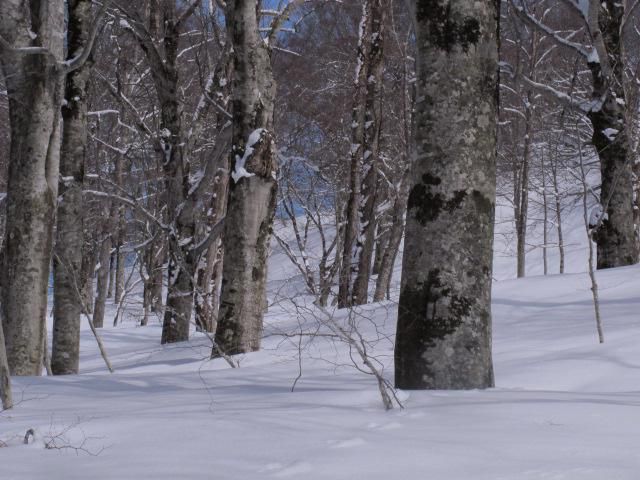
(444, 315)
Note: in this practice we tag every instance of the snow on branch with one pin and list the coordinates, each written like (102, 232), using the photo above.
(239, 170)
(590, 54)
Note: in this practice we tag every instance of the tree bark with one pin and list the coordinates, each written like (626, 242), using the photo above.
(176, 167)
(443, 337)
(616, 235)
(522, 199)
(359, 145)
(252, 189)
(365, 241)
(67, 258)
(104, 259)
(34, 88)
(393, 244)
(6, 396)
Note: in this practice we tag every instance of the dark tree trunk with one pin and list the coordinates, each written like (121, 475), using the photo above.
(443, 337)
(615, 235)
(67, 259)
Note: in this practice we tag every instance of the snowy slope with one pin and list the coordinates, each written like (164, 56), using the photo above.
(564, 406)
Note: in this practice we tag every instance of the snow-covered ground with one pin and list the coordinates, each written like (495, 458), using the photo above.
(564, 406)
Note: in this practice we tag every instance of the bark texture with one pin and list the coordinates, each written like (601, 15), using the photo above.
(34, 90)
(368, 221)
(444, 315)
(171, 144)
(615, 235)
(6, 396)
(67, 258)
(252, 188)
(360, 221)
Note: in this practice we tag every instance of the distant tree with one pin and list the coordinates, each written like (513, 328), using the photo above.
(366, 123)
(443, 336)
(605, 23)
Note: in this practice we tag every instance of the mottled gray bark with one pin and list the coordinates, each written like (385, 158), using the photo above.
(616, 234)
(252, 189)
(34, 84)
(67, 258)
(443, 337)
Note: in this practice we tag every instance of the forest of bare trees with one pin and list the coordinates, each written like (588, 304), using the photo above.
(153, 145)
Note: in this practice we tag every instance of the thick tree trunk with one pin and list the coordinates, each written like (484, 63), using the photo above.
(34, 89)
(67, 259)
(615, 235)
(443, 338)
(252, 190)
(176, 166)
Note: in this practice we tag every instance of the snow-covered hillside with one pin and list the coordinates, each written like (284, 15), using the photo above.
(564, 407)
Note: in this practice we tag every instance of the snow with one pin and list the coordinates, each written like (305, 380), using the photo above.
(564, 406)
(610, 133)
(239, 170)
(596, 215)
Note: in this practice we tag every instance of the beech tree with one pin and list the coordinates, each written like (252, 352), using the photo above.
(443, 338)
(67, 257)
(31, 53)
(253, 184)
